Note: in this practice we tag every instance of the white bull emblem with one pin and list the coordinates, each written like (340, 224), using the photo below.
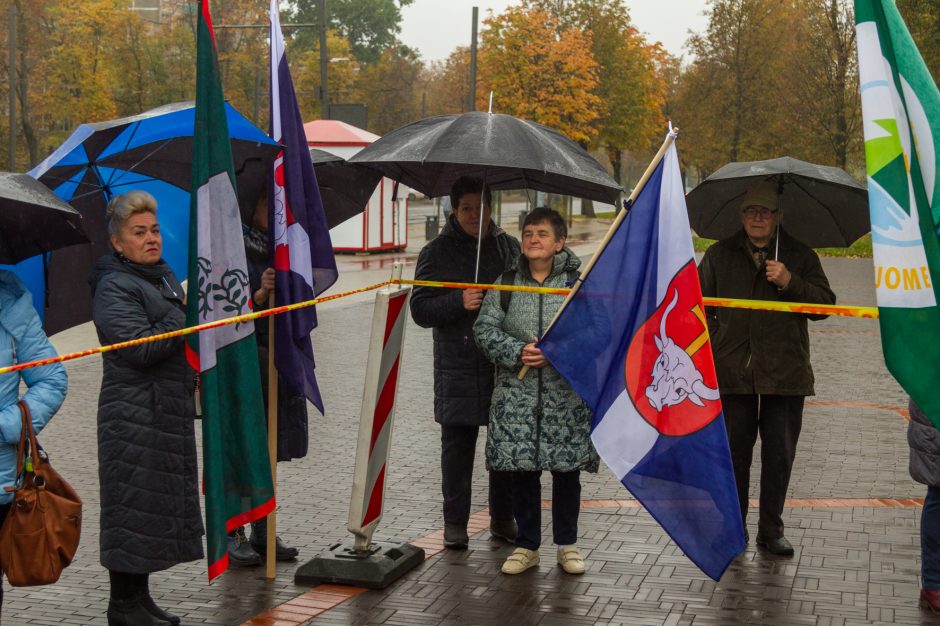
(675, 377)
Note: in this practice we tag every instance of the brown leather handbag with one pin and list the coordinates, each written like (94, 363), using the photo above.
(40, 535)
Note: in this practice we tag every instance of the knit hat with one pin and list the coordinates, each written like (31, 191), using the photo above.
(762, 194)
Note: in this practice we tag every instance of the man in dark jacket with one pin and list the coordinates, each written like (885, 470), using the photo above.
(761, 357)
(463, 377)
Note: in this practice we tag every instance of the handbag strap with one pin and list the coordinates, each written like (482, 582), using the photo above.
(26, 432)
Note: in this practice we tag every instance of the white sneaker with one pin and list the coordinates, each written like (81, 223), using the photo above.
(520, 560)
(570, 560)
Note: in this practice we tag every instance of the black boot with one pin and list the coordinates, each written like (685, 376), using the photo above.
(259, 541)
(132, 612)
(157, 612)
(240, 552)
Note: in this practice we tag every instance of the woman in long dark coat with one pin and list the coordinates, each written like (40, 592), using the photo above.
(150, 517)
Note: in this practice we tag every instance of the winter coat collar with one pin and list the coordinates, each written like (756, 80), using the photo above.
(564, 262)
(159, 273)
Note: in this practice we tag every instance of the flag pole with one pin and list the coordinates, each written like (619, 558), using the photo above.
(621, 215)
(271, 536)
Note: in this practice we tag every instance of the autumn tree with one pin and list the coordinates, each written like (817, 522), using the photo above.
(923, 20)
(342, 74)
(825, 109)
(539, 71)
(388, 88)
(448, 83)
(730, 99)
(370, 26)
(629, 85)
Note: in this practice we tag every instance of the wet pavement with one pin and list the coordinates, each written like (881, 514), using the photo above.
(853, 515)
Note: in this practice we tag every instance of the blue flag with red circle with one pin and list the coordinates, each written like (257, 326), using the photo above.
(634, 344)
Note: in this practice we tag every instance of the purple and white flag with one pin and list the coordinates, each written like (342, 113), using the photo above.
(300, 237)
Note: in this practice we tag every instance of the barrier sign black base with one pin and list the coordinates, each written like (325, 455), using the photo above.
(376, 568)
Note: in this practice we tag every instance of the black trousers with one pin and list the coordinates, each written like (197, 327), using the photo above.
(527, 505)
(778, 420)
(458, 447)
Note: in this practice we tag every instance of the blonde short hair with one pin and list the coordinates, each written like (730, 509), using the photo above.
(122, 207)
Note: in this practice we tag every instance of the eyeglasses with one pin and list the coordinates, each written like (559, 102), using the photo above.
(753, 211)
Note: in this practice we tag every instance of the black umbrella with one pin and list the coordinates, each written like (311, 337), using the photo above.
(506, 152)
(821, 206)
(33, 220)
(344, 187)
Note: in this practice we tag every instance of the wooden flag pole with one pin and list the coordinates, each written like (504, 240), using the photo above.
(670, 138)
(271, 537)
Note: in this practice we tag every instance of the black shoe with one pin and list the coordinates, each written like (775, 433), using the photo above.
(157, 612)
(747, 537)
(240, 552)
(504, 529)
(779, 546)
(132, 613)
(259, 541)
(455, 537)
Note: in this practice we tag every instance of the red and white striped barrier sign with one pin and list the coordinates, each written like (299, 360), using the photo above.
(378, 412)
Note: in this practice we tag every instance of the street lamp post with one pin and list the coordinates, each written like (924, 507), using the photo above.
(324, 63)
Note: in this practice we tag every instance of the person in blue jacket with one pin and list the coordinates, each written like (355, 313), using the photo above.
(22, 339)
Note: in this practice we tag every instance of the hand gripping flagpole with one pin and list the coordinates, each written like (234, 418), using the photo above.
(622, 215)
(365, 563)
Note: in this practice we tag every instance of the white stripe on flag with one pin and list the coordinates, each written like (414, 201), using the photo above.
(219, 228)
(675, 244)
(623, 437)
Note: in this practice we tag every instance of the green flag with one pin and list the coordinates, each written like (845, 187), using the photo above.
(236, 469)
(901, 111)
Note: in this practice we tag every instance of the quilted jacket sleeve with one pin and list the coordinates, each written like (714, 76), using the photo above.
(47, 385)
(496, 344)
(432, 306)
(119, 315)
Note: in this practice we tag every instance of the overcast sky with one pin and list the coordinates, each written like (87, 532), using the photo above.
(436, 27)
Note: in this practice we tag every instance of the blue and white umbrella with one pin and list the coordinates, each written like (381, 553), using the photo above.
(150, 152)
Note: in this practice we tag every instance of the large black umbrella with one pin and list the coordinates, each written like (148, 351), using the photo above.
(506, 152)
(344, 187)
(33, 220)
(821, 206)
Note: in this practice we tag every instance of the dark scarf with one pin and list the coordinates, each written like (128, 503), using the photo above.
(256, 246)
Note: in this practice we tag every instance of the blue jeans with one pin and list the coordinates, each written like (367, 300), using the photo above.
(527, 507)
(930, 540)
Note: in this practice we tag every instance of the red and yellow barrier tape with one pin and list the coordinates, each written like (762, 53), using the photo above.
(184, 331)
(759, 305)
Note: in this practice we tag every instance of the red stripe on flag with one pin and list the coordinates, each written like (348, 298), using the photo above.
(207, 18)
(192, 358)
(218, 567)
(282, 258)
(252, 515)
(383, 408)
(394, 311)
(375, 500)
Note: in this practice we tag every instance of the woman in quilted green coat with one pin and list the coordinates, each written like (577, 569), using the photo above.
(537, 423)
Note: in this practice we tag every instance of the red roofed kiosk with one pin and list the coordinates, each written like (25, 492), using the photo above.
(383, 225)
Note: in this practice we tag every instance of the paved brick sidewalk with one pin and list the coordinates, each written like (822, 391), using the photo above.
(854, 564)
